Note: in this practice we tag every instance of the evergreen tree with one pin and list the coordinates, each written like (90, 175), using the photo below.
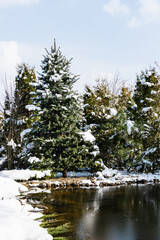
(17, 117)
(2, 150)
(110, 121)
(99, 113)
(123, 131)
(24, 91)
(56, 137)
(1, 136)
(146, 117)
(8, 133)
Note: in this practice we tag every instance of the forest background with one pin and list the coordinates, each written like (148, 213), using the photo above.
(44, 123)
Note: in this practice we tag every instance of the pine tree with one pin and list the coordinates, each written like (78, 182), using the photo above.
(24, 91)
(2, 150)
(17, 117)
(146, 116)
(122, 138)
(56, 137)
(112, 125)
(99, 113)
(8, 133)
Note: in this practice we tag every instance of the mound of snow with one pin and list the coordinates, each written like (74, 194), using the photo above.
(16, 220)
(16, 224)
(24, 174)
(129, 126)
(10, 188)
(87, 136)
(109, 175)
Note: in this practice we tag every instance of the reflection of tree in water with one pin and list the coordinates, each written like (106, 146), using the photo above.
(126, 213)
(116, 213)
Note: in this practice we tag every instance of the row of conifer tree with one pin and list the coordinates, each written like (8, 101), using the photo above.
(45, 123)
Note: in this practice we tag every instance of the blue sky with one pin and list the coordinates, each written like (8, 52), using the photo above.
(102, 36)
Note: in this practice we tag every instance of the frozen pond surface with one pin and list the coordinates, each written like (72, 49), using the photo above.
(115, 213)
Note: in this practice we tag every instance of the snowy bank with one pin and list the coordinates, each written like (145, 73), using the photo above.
(16, 216)
(24, 174)
(27, 174)
(111, 176)
(107, 177)
(9, 188)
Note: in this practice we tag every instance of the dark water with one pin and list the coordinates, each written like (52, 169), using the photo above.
(116, 213)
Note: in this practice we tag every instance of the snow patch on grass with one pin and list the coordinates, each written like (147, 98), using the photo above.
(16, 216)
(24, 174)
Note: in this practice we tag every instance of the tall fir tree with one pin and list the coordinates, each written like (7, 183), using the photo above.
(56, 138)
(17, 117)
(99, 113)
(146, 117)
(24, 90)
(1, 137)
(109, 119)
(8, 133)
(123, 130)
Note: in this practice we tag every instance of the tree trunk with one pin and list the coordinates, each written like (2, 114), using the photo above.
(65, 173)
(10, 148)
(10, 158)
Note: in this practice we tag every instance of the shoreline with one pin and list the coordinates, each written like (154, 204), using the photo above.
(84, 182)
(107, 177)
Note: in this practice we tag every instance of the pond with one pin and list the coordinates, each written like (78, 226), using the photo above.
(113, 213)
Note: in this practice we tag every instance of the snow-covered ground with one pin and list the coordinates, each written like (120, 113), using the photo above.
(27, 174)
(24, 174)
(106, 175)
(115, 177)
(16, 216)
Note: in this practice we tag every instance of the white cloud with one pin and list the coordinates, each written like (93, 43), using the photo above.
(9, 58)
(150, 10)
(115, 7)
(7, 3)
(32, 54)
(134, 22)
(13, 53)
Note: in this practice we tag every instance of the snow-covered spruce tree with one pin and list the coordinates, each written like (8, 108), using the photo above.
(99, 113)
(8, 133)
(16, 118)
(109, 119)
(123, 130)
(56, 138)
(24, 90)
(2, 150)
(127, 137)
(146, 117)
